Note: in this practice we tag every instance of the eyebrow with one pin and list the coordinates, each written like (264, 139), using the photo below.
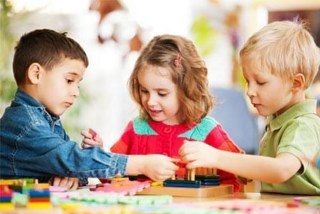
(74, 74)
(156, 89)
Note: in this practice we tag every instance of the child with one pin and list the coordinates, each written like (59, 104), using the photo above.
(169, 84)
(279, 62)
(48, 67)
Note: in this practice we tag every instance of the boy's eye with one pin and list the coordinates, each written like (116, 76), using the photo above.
(69, 81)
(261, 83)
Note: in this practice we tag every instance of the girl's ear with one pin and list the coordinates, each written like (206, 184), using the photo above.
(298, 82)
(34, 73)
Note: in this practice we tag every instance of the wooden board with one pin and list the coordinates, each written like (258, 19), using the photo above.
(202, 192)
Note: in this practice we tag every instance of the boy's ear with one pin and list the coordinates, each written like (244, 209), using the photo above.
(34, 73)
(298, 82)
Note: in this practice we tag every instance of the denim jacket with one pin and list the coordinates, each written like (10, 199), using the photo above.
(34, 144)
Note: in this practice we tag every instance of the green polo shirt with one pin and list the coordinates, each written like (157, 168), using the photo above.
(296, 131)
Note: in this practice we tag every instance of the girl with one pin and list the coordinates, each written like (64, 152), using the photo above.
(169, 84)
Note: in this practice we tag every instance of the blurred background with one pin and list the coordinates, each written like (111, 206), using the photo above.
(112, 33)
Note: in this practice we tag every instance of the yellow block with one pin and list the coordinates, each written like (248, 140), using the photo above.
(157, 184)
(9, 182)
(119, 179)
(41, 186)
(39, 205)
(6, 206)
(17, 181)
(70, 206)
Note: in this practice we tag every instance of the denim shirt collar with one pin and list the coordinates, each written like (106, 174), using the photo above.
(25, 99)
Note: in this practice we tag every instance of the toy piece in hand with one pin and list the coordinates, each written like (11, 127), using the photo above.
(93, 133)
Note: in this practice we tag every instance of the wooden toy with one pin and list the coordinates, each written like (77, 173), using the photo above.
(201, 192)
(200, 182)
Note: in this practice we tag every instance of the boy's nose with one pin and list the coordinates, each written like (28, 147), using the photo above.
(251, 92)
(76, 92)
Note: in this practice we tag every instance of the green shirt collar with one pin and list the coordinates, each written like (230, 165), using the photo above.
(305, 107)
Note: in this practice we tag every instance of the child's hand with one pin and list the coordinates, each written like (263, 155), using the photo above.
(70, 183)
(156, 167)
(198, 154)
(91, 139)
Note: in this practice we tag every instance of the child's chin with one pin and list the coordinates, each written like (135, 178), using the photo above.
(57, 113)
(156, 119)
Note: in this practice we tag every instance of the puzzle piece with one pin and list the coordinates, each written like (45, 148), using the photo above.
(182, 183)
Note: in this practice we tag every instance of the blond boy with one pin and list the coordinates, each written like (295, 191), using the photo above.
(279, 63)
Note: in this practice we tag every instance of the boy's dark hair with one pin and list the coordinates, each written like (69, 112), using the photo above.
(46, 47)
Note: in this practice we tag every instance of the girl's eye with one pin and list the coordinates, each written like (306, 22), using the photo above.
(143, 91)
(162, 94)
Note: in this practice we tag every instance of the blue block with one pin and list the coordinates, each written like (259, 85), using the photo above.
(182, 183)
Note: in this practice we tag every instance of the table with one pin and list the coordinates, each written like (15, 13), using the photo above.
(275, 202)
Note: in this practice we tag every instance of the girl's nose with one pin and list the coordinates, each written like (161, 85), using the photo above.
(151, 100)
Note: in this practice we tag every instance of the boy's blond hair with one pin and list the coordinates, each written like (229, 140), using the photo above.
(284, 48)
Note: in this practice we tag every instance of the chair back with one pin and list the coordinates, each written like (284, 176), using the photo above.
(232, 112)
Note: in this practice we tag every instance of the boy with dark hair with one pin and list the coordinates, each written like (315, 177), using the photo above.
(48, 67)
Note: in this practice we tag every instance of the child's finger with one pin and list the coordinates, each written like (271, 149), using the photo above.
(172, 167)
(56, 181)
(175, 159)
(168, 173)
(190, 157)
(72, 182)
(91, 142)
(75, 185)
(88, 141)
(85, 134)
(64, 181)
(86, 145)
(93, 133)
(89, 134)
(184, 150)
(68, 183)
(193, 165)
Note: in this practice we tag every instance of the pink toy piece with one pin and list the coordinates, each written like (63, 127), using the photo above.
(93, 133)
(58, 189)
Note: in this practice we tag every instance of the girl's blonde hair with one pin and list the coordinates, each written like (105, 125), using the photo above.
(187, 70)
(284, 48)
